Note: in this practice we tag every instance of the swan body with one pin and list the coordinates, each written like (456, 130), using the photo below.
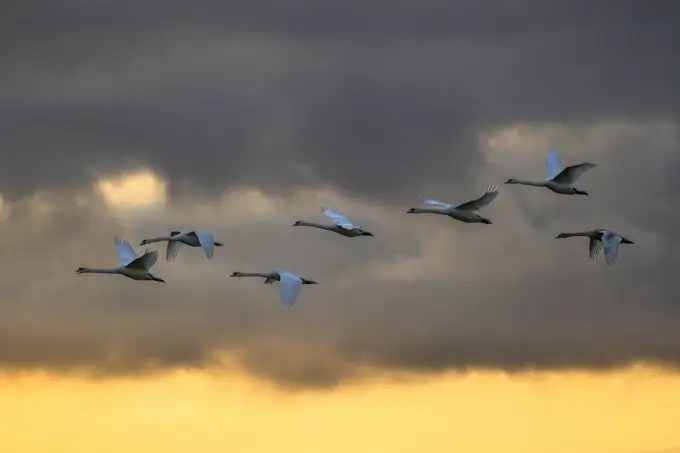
(131, 265)
(340, 224)
(466, 212)
(559, 179)
(192, 238)
(290, 283)
(600, 240)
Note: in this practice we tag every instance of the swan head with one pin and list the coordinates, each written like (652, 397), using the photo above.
(411, 211)
(626, 241)
(511, 181)
(236, 274)
(80, 270)
(219, 244)
(579, 192)
(562, 236)
(298, 223)
(309, 282)
(144, 242)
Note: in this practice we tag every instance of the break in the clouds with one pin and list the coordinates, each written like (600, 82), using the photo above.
(246, 116)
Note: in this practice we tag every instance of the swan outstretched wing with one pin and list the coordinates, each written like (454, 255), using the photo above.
(570, 174)
(475, 205)
(289, 287)
(338, 218)
(611, 247)
(594, 248)
(124, 250)
(553, 164)
(172, 249)
(441, 204)
(207, 243)
(144, 262)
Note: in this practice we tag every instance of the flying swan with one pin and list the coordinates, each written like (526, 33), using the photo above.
(289, 287)
(193, 238)
(466, 212)
(341, 224)
(600, 239)
(131, 265)
(558, 178)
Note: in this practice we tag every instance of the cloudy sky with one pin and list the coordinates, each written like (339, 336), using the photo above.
(137, 118)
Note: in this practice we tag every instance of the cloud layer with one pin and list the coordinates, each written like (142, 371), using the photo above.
(256, 116)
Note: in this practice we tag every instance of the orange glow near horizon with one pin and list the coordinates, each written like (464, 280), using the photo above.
(631, 411)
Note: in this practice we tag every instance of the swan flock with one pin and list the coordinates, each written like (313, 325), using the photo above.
(559, 179)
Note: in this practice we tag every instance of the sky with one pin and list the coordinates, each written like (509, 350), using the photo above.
(240, 118)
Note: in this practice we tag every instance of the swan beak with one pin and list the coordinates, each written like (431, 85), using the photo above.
(626, 241)
(486, 221)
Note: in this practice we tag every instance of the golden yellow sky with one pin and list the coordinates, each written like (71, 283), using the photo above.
(627, 411)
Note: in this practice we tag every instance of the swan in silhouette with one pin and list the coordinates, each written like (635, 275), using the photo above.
(599, 240)
(289, 287)
(131, 265)
(558, 178)
(192, 238)
(341, 224)
(466, 212)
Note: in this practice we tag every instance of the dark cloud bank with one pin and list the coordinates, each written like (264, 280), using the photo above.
(376, 99)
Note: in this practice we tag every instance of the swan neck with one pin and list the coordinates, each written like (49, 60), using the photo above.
(570, 235)
(314, 225)
(159, 239)
(426, 211)
(253, 274)
(90, 270)
(530, 183)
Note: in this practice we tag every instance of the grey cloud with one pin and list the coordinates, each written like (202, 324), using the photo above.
(431, 17)
(506, 297)
(226, 94)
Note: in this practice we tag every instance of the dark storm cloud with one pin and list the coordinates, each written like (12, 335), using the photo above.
(376, 100)
(474, 305)
(374, 97)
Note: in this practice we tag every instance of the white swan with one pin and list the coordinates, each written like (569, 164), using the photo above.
(192, 238)
(600, 239)
(611, 243)
(131, 265)
(466, 212)
(558, 178)
(289, 287)
(341, 224)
